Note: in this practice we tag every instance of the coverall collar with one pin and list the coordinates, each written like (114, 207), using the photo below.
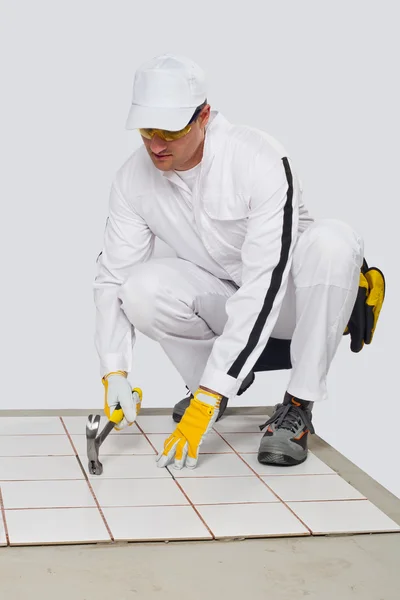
(215, 122)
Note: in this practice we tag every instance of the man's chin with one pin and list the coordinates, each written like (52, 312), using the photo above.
(163, 167)
(162, 163)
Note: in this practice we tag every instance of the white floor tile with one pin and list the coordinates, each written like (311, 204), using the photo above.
(243, 442)
(353, 516)
(215, 465)
(251, 520)
(155, 523)
(30, 468)
(240, 423)
(312, 487)
(30, 425)
(129, 467)
(156, 423)
(311, 466)
(231, 490)
(77, 426)
(46, 494)
(213, 443)
(132, 492)
(35, 445)
(115, 445)
(56, 526)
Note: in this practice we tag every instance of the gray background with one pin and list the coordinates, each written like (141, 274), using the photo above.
(321, 77)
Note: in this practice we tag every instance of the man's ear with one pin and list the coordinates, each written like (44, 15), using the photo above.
(205, 115)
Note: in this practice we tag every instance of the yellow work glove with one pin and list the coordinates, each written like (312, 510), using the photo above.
(121, 402)
(368, 305)
(184, 443)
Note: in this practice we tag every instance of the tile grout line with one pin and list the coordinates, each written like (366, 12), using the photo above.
(145, 435)
(37, 455)
(121, 478)
(88, 481)
(72, 455)
(3, 513)
(264, 483)
(91, 508)
(175, 505)
(193, 506)
(29, 435)
(179, 486)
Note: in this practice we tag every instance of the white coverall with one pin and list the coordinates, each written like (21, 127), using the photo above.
(250, 264)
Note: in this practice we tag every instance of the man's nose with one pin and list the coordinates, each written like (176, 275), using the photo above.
(157, 144)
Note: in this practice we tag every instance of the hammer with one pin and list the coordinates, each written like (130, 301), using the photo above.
(94, 441)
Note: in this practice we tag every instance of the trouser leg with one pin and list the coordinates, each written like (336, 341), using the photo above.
(326, 270)
(181, 306)
(325, 276)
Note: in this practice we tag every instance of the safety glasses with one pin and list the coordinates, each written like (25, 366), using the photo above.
(170, 136)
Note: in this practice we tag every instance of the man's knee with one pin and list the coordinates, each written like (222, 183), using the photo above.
(336, 239)
(329, 247)
(139, 294)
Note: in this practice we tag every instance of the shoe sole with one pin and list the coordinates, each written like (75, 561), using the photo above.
(282, 460)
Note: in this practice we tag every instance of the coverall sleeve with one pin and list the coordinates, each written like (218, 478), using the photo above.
(127, 241)
(267, 254)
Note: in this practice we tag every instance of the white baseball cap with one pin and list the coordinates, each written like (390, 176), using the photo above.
(166, 92)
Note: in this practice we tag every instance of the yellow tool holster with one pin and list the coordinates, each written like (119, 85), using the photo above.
(368, 305)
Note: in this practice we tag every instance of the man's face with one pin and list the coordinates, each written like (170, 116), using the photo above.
(181, 154)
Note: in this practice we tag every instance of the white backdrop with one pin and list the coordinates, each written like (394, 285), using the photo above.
(321, 77)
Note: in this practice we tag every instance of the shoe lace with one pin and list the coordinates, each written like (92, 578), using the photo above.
(288, 416)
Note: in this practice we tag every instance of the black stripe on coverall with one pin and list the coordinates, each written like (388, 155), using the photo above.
(276, 278)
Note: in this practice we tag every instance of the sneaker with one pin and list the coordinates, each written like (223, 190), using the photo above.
(285, 441)
(181, 406)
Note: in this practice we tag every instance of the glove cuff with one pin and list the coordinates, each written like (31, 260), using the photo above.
(208, 397)
(123, 373)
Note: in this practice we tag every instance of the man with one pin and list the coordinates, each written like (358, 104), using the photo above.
(257, 284)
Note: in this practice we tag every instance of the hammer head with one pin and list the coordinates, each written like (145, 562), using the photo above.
(95, 439)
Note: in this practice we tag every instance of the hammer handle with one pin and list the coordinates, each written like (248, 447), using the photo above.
(106, 430)
(102, 436)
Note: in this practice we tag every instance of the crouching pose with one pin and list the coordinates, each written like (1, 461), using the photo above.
(257, 284)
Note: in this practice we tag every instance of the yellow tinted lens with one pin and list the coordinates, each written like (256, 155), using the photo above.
(164, 134)
(147, 133)
(175, 135)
